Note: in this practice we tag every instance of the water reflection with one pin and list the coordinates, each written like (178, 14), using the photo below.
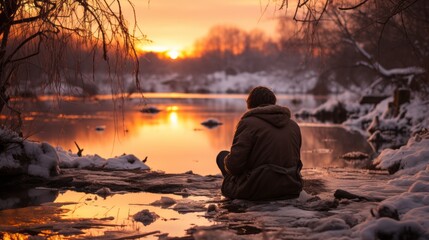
(95, 216)
(323, 145)
(174, 139)
(26, 197)
(121, 207)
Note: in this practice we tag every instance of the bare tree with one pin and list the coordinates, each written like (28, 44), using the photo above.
(28, 27)
(229, 47)
(389, 37)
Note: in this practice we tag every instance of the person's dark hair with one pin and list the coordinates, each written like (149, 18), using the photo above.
(260, 96)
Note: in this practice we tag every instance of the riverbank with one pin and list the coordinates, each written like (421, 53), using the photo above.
(373, 203)
(227, 218)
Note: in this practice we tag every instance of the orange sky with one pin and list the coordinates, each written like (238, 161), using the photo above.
(175, 25)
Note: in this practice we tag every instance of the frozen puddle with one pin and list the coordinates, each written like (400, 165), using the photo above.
(84, 215)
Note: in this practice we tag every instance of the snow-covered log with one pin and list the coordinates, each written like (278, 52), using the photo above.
(20, 156)
(405, 75)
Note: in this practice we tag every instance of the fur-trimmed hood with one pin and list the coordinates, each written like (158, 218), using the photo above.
(276, 115)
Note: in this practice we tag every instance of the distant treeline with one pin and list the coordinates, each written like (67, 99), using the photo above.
(349, 49)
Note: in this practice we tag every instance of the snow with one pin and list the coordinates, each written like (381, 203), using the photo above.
(23, 156)
(411, 205)
(349, 101)
(124, 162)
(388, 73)
(392, 229)
(282, 81)
(43, 160)
(8, 161)
(218, 82)
(411, 158)
(412, 117)
(188, 205)
(9, 140)
(346, 97)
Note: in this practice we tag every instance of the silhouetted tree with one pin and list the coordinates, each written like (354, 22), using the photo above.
(29, 27)
(388, 38)
(226, 46)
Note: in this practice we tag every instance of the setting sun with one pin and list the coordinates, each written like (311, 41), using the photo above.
(173, 54)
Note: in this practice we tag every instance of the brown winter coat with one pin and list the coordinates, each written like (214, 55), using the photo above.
(264, 162)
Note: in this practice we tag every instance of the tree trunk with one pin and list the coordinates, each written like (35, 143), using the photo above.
(3, 97)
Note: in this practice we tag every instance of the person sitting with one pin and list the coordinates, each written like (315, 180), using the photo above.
(264, 161)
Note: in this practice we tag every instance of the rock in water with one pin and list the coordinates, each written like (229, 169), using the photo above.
(146, 217)
(100, 128)
(211, 123)
(164, 202)
(151, 110)
(104, 192)
(355, 156)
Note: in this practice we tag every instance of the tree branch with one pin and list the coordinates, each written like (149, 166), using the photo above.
(353, 7)
(100, 25)
(21, 45)
(42, 13)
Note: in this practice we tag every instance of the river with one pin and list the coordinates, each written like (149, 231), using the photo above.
(173, 140)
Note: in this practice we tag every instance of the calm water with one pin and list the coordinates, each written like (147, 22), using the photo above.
(173, 139)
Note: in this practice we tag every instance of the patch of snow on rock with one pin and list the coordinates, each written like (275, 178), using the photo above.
(409, 159)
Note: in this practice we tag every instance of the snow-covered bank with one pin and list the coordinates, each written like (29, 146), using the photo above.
(409, 159)
(281, 81)
(405, 215)
(21, 156)
(412, 117)
(219, 82)
(387, 124)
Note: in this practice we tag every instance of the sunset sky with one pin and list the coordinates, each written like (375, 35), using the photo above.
(175, 25)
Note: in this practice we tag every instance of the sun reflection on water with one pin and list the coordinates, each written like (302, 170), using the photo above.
(120, 208)
(174, 119)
